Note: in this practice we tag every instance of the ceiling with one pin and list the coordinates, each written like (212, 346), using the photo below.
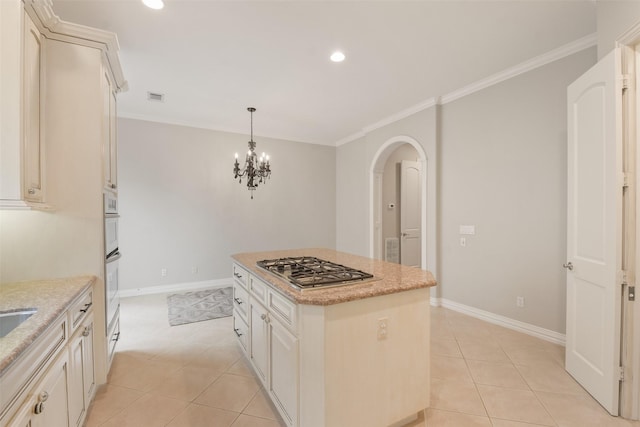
(213, 59)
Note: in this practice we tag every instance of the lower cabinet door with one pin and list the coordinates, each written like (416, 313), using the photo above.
(81, 373)
(284, 372)
(259, 349)
(50, 402)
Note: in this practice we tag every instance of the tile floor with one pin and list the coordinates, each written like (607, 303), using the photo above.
(195, 375)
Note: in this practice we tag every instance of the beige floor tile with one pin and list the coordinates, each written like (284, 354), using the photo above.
(186, 383)
(456, 396)
(450, 368)
(217, 358)
(513, 404)
(548, 376)
(203, 416)
(260, 406)
(242, 367)
(445, 347)
(148, 411)
(529, 355)
(480, 349)
(508, 423)
(142, 375)
(109, 401)
(571, 410)
(497, 374)
(438, 418)
(249, 421)
(231, 392)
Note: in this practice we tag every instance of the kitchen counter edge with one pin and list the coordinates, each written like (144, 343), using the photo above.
(392, 278)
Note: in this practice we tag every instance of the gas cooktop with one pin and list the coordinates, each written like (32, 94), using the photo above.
(313, 273)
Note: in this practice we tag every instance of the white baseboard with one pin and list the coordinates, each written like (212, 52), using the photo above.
(177, 287)
(496, 319)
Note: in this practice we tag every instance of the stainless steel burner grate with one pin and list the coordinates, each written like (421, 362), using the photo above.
(311, 272)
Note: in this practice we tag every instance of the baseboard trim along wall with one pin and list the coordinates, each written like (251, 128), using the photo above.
(496, 319)
(177, 287)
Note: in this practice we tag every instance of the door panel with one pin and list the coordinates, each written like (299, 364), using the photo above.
(594, 233)
(410, 220)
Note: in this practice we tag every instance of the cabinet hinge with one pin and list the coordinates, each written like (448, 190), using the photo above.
(626, 80)
(625, 180)
(621, 373)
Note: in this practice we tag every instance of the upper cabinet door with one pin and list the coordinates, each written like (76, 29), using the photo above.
(594, 232)
(109, 138)
(33, 147)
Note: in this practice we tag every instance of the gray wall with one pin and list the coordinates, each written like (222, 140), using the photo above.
(504, 170)
(614, 18)
(501, 166)
(181, 208)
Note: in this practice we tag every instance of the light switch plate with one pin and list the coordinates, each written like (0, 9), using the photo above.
(468, 229)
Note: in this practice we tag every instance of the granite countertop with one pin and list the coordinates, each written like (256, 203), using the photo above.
(392, 277)
(50, 297)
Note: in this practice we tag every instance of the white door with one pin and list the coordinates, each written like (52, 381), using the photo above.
(410, 221)
(594, 233)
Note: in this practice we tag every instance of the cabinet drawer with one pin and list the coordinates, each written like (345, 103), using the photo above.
(283, 309)
(113, 336)
(240, 300)
(241, 328)
(258, 289)
(240, 275)
(79, 310)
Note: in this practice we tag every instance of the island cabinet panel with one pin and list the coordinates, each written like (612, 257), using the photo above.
(283, 365)
(321, 355)
(258, 337)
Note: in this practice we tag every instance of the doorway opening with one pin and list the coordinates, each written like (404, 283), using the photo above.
(382, 216)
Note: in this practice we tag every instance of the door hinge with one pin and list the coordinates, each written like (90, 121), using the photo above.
(632, 293)
(621, 373)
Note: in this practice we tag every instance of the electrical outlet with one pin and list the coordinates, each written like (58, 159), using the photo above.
(163, 272)
(383, 331)
(463, 241)
(520, 301)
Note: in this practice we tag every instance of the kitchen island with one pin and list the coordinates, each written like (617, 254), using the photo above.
(350, 355)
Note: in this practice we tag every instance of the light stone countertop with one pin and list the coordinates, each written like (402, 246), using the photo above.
(393, 277)
(50, 297)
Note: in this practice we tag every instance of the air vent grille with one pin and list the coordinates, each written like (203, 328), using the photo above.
(157, 97)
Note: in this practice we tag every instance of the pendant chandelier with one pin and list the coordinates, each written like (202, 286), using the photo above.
(255, 170)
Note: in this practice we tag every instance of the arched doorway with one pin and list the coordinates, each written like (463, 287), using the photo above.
(376, 203)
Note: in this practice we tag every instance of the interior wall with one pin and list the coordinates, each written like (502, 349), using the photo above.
(182, 210)
(501, 166)
(614, 17)
(391, 190)
(503, 169)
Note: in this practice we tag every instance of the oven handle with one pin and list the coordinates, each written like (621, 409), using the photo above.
(114, 257)
(111, 215)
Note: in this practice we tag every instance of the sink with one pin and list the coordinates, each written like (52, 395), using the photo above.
(9, 320)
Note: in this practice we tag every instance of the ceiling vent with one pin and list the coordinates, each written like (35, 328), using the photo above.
(158, 97)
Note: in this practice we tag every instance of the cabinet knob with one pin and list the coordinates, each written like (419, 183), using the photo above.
(568, 266)
(238, 275)
(40, 405)
(113, 186)
(31, 191)
(87, 331)
(265, 317)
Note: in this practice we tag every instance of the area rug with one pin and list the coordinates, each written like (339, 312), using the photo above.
(198, 306)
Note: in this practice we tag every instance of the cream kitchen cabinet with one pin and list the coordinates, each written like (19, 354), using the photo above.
(22, 173)
(53, 383)
(109, 137)
(48, 403)
(82, 378)
(272, 348)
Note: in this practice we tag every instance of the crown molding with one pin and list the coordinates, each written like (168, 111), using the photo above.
(524, 67)
(52, 27)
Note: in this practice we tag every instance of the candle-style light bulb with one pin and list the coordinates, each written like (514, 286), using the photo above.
(236, 156)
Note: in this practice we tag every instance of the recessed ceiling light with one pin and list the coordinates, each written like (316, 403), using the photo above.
(154, 4)
(337, 56)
